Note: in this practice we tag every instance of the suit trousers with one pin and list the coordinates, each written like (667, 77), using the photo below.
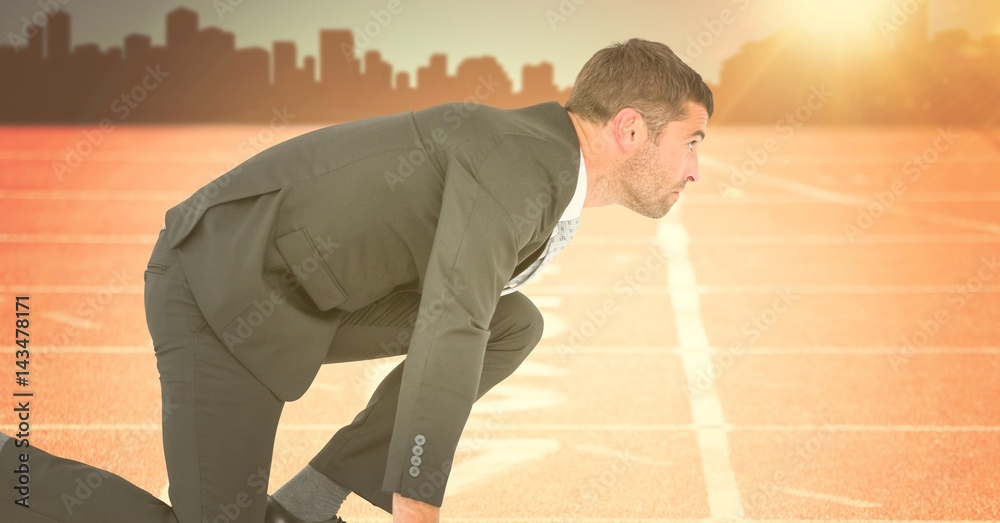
(219, 422)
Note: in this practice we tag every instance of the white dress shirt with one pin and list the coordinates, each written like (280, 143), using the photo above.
(572, 212)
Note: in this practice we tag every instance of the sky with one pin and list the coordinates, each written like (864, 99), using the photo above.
(517, 32)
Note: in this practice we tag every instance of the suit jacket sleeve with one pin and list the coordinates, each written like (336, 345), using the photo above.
(475, 251)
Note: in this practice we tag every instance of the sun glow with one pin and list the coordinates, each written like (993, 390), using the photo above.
(841, 18)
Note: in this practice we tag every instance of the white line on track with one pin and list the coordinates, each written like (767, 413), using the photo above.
(617, 519)
(331, 427)
(356, 519)
(771, 289)
(862, 351)
(586, 290)
(101, 196)
(694, 198)
(506, 398)
(68, 289)
(573, 427)
(593, 350)
(807, 240)
(868, 428)
(689, 199)
(546, 302)
(706, 409)
(615, 350)
(118, 157)
(786, 198)
(109, 239)
(495, 457)
(871, 159)
(320, 385)
(823, 194)
(620, 454)
(850, 200)
(829, 497)
(596, 240)
(791, 240)
(87, 349)
(60, 317)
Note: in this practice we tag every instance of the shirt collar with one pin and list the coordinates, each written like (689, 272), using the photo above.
(575, 206)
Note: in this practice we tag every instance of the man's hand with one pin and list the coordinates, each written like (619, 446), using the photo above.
(406, 510)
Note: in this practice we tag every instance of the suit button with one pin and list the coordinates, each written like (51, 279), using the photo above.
(415, 461)
(417, 450)
(414, 472)
(420, 439)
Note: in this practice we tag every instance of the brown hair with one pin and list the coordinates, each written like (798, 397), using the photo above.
(646, 76)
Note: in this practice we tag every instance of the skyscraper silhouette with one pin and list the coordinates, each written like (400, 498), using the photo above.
(339, 68)
(182, 25)
(57, 31)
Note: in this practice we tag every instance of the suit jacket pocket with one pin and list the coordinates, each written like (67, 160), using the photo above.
(308, 265)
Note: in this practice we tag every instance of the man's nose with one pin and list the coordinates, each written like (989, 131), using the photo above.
(692, 170)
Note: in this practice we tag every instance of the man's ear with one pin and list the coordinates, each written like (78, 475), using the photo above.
(629, 128)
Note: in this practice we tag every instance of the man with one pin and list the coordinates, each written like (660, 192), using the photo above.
(411, 230)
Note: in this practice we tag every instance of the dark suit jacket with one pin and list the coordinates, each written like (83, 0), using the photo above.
(451, 201)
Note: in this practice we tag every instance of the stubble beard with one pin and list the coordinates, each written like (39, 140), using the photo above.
(633, 184)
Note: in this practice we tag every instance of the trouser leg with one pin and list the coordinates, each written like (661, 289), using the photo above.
(356, 456)
(219, 422)
(64, 490)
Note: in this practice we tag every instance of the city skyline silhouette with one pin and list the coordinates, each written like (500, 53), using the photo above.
(199, 76)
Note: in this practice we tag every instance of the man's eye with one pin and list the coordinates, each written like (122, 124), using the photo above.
(691, 145)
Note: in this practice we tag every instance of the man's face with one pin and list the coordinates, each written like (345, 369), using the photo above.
(651, 179)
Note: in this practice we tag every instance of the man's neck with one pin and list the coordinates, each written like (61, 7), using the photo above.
(591, 146)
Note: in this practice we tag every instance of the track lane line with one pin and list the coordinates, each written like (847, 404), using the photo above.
(595, 350)
(856, 503)
(574, 427)
(595, 240)
(826, 195)
(706, 408)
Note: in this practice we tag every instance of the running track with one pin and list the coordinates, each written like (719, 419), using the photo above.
(749, 357)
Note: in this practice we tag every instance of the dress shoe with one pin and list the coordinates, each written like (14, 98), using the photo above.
(275, 513)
